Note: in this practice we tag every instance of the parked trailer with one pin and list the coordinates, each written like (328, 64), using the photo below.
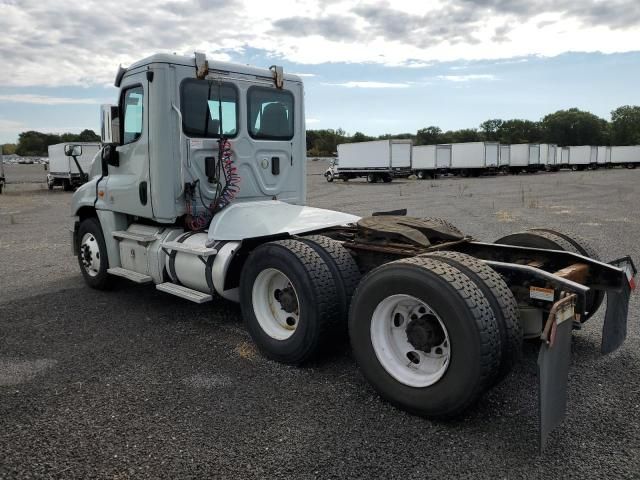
(604, 156)
(519, 155)
(564, 157)
(548, 156)
(376, 160)
(627, 156)
(70, 171)
(434, 317)
(443, 157)
(580, 157)
(504, 160)
(474, 158)
(2, 178)
(424, 161)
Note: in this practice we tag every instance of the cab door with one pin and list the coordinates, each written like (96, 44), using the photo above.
(127, 186)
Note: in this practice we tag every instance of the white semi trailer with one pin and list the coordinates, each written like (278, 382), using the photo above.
(376, 160)
(424, 161)
(201, 191)
(474, 158)
(582, 157)
(626, 156)
(519, 157)
(70, 172)
(548, 154)
(443, 157)
(603, 156)
(505, 158)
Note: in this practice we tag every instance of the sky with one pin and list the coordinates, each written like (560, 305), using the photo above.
(370, 66)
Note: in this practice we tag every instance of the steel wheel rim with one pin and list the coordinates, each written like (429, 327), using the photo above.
(401, 359)
(90, 254)
(276, 304)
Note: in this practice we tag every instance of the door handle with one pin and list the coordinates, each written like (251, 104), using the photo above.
(275, 165)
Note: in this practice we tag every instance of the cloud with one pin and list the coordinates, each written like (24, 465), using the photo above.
(11, 126)
(366, 84)
(467, 78)
(312, 120)
(81, 42)
(46, 100)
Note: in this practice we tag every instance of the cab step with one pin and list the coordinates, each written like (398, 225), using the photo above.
(184, 292)
(200, 251)
(136, 237)
(130, 275)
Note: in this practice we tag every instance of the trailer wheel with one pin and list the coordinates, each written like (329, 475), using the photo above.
(421, 175)
(554, 241)
(424, 336)
(583, 247)
(372, 178)
(344, 269)
(329, 176)
(50, 183)
(386, 178)
(92, 255)
(287, 297)
(501, 300)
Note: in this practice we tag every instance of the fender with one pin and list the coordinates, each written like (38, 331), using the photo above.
(245, 220)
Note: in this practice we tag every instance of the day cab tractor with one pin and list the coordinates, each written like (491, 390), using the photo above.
(200, 190)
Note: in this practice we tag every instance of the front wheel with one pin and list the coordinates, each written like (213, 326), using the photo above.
(287, 297)
(424, 336)
(92, 254)
(329, 176)
(372, 178)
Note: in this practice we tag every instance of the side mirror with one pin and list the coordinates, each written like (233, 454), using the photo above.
(110, 156)
(73, 150)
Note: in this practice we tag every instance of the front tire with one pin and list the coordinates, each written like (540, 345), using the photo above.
(287, 297)
(424, 336)
(329, 177)
(92, 255)
(372, 178)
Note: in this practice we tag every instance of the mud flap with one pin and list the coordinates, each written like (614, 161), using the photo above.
(553, 371)
(614, 329)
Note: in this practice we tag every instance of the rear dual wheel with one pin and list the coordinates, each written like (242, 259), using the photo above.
(425, 336)
(295, 294)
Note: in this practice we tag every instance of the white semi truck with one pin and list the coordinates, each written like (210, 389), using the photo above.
(201, 191)
(524, 157)
(67, 171)
(424, 161)
(604, 157)
(377, 160)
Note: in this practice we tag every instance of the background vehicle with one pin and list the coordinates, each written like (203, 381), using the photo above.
(626, 156)
(2, 179)
(67, 172)
(376, 160)
(474, 158)
(205, 198)
(424, 161)
(524, 157)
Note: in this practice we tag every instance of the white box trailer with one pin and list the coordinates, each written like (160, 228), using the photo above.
(63, 169)
(424, 161)
(505, 157)
(443, 157)
(548, 156)
(375, 160)
(580, 156)
(628, 156)
(518, 157)
(604, 156)
(564, 157)
(473, 158)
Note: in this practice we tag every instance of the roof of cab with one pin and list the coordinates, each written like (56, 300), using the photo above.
(189, 61)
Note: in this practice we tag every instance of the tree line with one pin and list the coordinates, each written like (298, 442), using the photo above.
(564, 127)
(35, 144)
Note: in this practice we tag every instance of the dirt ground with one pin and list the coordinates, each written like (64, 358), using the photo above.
(136, 383)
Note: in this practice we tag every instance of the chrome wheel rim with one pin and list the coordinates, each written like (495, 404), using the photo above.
(90, 254)
(275, 304)
(410, 341)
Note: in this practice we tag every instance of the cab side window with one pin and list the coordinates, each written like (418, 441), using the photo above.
(132, 108)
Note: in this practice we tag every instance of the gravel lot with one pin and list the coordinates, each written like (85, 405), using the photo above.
(136, 383)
